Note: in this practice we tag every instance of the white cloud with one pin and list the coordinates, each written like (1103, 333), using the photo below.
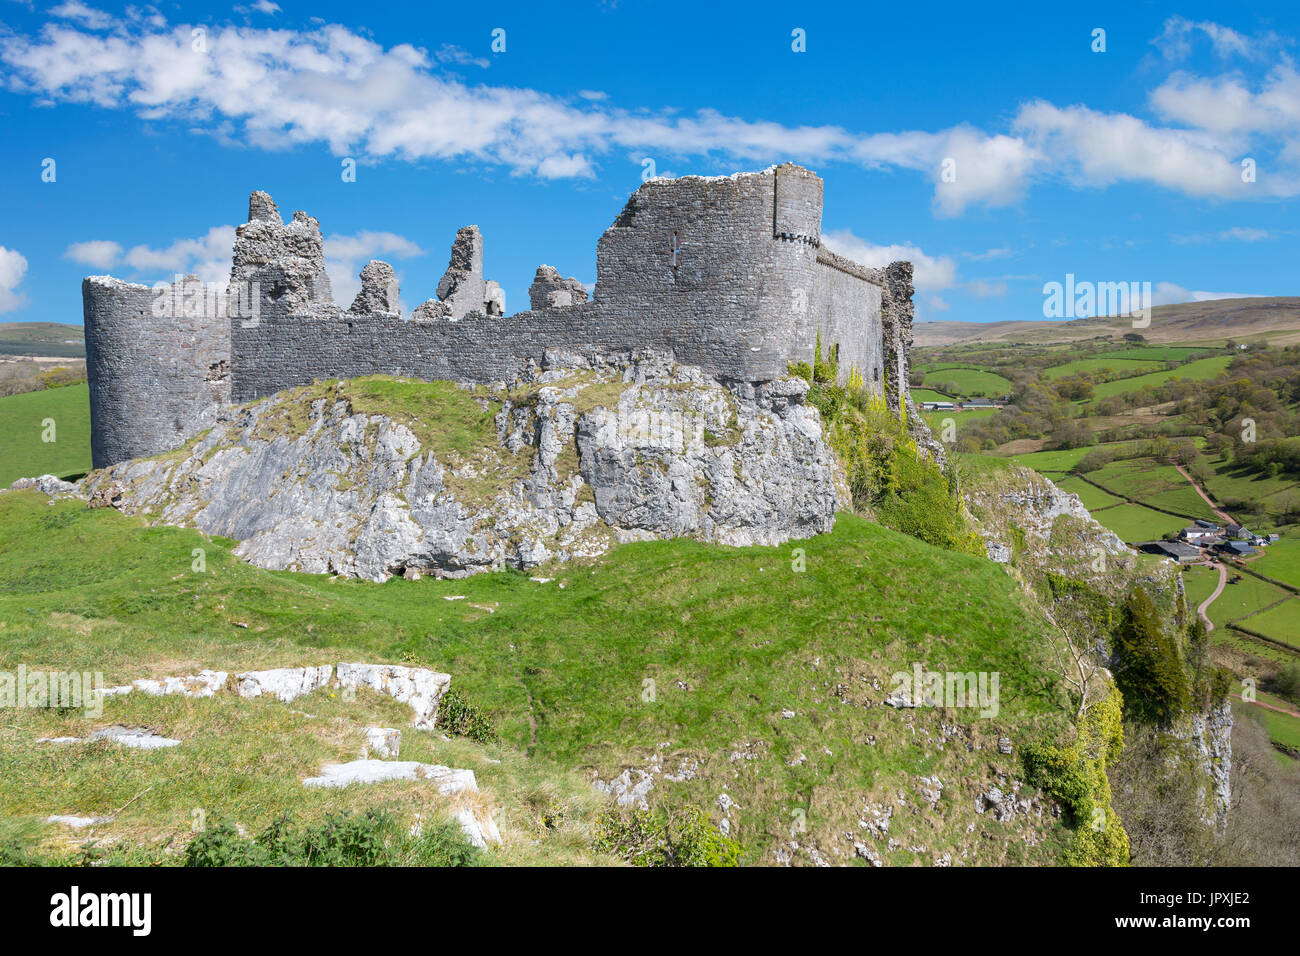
(13, 266)
(98, 253)
(79, 12)
(1245, 234)
(929, 273)
(565, 167)
(279, 88)
(1098, 149)
(346, 255)
(1179, 35)
(206, 256)
(999, 253)
(1234, 234)
(1228, 107)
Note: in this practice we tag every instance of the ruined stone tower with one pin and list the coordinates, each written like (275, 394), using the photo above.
(729, 273)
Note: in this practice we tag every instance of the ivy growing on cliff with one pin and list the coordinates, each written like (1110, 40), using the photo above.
(887, 474)
(1075, 774)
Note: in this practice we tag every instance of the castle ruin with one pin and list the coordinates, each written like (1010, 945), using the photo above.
(728, 273)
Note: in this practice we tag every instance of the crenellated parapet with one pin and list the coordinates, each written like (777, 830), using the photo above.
(727, 273)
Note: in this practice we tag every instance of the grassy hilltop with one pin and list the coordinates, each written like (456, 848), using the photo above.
(764, 681)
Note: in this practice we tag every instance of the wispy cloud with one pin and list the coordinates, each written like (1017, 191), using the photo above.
(79, 12)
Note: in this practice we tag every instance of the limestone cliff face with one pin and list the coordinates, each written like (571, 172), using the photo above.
(1023, 515)
(587, 452)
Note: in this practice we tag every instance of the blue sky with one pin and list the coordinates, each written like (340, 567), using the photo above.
(1120, 165)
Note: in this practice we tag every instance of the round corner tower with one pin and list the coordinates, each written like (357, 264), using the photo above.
(158, 364)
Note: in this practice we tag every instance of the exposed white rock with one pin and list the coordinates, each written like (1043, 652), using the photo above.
(203, 684)
(48, 485)
(137, 738)
(418, 686)
(286, 683)
(479, 828)
(447, 780)
(626, 791)
(384, 742)
(77, 823)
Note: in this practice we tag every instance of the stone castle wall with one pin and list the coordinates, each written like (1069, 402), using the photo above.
(726, 272)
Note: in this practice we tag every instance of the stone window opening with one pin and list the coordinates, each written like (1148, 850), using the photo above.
(676, 248)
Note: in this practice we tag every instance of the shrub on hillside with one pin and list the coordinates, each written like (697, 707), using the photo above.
(458, 716)
(341, 839)
(1148, 667)
(650, 838)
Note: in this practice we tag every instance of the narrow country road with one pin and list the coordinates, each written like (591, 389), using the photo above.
(1223, 580)
(1201, 491)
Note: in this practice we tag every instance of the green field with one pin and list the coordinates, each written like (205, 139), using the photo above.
(1092, 365)
(1246, 597)
(1281, 559)
(41, 338)
(970, 382)
(1151, 483)
(1154, 353)
(1281, 623)
(1064, 460)
(960, 418)
(1092, 497)
(929, 395)
(1200, 583)
(1050, 461)
(1283, 729)
(1200, 369)
(1229, 480)
(22, 451)
(1135, 523)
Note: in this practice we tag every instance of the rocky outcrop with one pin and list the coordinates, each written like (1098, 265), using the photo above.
(1023, 516)
(47, 485)
(285, 683)
(420, 687)
(587, 452)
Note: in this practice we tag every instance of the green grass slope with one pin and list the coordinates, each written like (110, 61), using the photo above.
(761, 680)
(24, 453)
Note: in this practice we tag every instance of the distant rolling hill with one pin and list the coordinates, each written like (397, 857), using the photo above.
(1276, 318)
(42, 338)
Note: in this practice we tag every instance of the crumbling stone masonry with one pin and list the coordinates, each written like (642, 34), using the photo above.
(727, 273)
